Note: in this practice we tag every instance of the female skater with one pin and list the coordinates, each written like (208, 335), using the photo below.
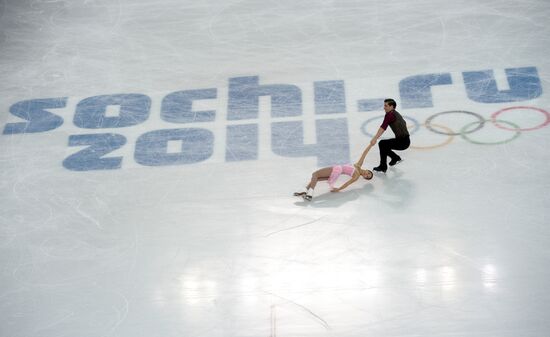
(332, 173)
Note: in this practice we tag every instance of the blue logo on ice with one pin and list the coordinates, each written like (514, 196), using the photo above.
(242, 119)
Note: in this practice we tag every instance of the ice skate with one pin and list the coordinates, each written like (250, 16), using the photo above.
(395, 161)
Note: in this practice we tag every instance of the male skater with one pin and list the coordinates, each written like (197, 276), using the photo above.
(395, 121)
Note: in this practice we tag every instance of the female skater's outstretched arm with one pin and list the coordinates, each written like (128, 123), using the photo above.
(362, 159)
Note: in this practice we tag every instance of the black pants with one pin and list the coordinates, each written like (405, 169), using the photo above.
(387, 145)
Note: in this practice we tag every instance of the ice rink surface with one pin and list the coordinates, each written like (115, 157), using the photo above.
(150, 149)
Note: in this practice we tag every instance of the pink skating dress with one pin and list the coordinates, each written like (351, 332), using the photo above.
(338, 170)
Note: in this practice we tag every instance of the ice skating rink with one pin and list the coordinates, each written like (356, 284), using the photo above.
(149, 151)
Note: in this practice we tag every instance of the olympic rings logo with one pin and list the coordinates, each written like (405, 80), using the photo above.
(467, 129)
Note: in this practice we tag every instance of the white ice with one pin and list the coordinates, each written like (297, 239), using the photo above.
(453, 241)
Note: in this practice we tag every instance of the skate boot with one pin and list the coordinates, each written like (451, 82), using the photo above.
(395, 161)
(381, 168)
